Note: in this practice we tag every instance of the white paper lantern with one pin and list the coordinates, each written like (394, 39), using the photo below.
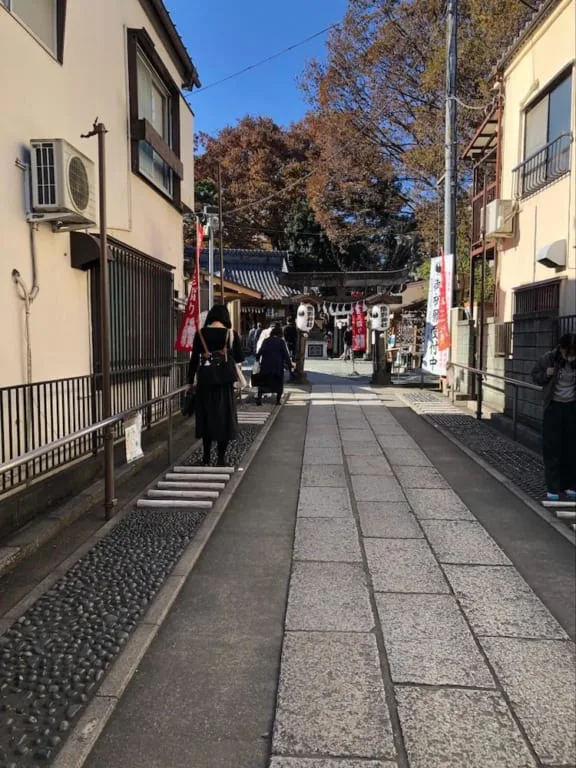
(380, 317)
(305, 318)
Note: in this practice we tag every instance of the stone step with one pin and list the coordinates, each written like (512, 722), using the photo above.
(156, 494)
(172, 504)
(201, 478)
(566, 514)
(190, 486)
(205, 470)
(559, 504)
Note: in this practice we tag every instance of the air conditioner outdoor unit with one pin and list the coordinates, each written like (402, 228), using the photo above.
(499, 218)
(63, 185)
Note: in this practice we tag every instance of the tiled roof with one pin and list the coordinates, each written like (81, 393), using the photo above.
(258, 270)
(531, 24)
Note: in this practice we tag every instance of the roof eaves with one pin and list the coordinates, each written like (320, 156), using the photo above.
(531, 25)
(158, 13)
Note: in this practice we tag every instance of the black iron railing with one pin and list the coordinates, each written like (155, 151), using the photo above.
(544, 166)
(31, 416)
(566, 324)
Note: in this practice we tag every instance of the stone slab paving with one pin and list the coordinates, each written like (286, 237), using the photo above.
(322, 476)
(388, 520)
(449, 728)
(429, 642)
(331, 697)
(327, 539)
(324, 501)
(403, 609)
(545, 699)
(323, 456)
(436, 504)
(329, 597)
(369, 465)
(463, 542)
(377, 489)
(297, 762)
(498, 602)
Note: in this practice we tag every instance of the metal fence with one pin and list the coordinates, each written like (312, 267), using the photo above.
(566, 324)
(31, 416)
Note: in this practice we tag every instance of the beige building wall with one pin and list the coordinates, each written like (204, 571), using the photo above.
(550, 214)
(45, 99)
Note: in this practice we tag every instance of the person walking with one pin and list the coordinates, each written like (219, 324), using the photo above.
(262, 336)
(348, 344)
(274, 358)
(218, 347)
(556, 373)
(291, 337)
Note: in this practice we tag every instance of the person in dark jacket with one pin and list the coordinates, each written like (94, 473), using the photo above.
(274, 359)
(291, 337)
(556, 373)
(215, 407)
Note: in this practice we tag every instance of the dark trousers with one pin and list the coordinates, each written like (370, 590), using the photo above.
(222, 448)
(559, 446)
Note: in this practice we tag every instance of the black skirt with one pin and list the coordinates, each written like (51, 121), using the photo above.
(270, 382)
(216, 416)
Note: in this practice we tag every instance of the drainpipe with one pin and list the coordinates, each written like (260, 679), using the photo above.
(27, 296)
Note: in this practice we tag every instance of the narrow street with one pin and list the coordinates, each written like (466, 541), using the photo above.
(370, 598)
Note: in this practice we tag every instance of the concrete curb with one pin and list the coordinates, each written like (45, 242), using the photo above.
(40, 531)
(560, 528)
(94, 719)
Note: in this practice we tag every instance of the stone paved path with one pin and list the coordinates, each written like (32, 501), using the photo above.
(410, 638)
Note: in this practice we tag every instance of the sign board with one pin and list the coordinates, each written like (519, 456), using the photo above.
(133, 438)
(316, 349)
(436, 355)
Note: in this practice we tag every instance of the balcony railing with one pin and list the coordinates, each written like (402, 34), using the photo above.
(543, 167)
(477, 207)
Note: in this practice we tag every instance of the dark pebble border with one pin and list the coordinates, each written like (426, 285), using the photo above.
(502, 453)
(53, 659)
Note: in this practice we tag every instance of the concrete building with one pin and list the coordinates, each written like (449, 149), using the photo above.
(524, 159)
(64, 64)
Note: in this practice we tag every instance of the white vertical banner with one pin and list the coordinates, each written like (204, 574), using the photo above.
(133, 437)
(435, 361)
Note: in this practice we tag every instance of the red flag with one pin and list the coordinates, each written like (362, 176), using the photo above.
(443, 320)
(191, 321)
(358, 329)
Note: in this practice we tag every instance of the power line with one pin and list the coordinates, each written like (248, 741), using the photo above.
(266, 60)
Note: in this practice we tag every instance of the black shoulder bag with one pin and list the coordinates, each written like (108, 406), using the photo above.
(216, 369)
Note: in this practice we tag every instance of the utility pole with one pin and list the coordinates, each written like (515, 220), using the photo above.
(221, 232)
(211, 216)
(99, 130)
(451, 175)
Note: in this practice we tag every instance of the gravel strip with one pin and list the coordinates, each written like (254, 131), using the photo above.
(54, 658)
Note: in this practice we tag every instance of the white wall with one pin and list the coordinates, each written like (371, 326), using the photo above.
(43, 99)
(550, 214)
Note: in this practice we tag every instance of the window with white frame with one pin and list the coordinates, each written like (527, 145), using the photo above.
(40, 17)
(154, 106)
(547, 136)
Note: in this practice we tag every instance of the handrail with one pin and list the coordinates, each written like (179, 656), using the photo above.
(514, 383)
(38, 453)
(505, 379)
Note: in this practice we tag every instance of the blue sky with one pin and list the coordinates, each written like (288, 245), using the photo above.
(223, 36)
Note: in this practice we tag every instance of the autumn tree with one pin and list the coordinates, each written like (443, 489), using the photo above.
(261, 163)
(384, 83)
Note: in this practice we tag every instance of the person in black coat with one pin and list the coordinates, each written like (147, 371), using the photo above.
(215, 407)
(274, 359)
(556, 373)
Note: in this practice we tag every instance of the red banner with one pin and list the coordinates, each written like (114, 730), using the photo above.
(358, 329)
(443, 319)
(191, 322)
